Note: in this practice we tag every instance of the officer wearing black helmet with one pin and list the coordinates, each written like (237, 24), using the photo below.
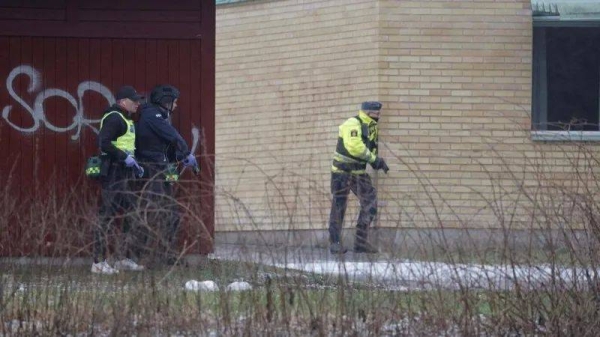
(159, 144)
(157, 140)
(357, 144)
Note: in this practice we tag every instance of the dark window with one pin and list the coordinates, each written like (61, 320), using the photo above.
(566, 78)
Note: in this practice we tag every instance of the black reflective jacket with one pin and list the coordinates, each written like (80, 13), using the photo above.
(156, 140)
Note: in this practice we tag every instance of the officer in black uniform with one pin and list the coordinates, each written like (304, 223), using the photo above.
(117, 143)
(158, 146)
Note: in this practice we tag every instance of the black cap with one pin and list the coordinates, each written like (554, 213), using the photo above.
(371, 105)
(128, 92)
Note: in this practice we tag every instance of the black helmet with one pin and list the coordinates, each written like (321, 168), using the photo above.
(163, 95)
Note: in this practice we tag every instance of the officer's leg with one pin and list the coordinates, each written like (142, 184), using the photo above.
(161, 224)
(142, 206)
(172, 223)
(130, 243)
(106, 215)
(138, 234)
(148, 230)
(339, 200)
(367, 195)
(159, 221)
(159, 213)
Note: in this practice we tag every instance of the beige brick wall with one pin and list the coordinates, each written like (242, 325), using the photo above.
(456, 77)
(455, 80)
(288, 72)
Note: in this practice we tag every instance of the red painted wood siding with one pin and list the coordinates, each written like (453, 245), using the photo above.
(60, 64)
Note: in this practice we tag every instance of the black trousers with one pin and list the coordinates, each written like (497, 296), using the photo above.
(117, 201)
(160, 212)
(362, 187)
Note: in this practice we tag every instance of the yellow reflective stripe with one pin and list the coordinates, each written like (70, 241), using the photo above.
(341, 158)
(337, 170)
(92, 171)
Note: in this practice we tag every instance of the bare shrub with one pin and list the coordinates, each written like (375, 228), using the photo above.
(536, 273)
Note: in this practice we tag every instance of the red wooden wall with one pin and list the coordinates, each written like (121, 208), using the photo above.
(60, 64)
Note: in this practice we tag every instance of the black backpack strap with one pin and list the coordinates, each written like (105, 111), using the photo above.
(364, 129)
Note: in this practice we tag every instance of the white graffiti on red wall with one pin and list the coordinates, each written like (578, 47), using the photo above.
(37, 110)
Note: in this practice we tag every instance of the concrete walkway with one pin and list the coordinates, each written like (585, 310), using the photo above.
(387, 271)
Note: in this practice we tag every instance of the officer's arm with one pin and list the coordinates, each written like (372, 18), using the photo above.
(181, 147)
(113, 127)
(167, 132)
(182, 150)
(351, 133)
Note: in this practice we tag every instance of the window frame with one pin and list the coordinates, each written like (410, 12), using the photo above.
(539, 92)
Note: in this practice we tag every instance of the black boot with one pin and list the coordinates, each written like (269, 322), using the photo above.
(365, 247)
(361, 244)
(337, 248)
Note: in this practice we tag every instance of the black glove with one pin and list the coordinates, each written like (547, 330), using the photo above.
(379, 164)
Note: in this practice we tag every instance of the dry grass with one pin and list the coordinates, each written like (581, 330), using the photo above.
(45, 300)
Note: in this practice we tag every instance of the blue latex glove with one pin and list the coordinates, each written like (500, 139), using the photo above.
(130, 162)
(190, 161)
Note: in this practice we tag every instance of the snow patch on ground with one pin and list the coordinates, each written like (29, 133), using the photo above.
(437, 274)
(212, 286)
(201, 286)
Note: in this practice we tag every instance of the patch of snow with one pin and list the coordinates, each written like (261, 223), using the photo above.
(239, 286)
(201, 286)
(446, 275)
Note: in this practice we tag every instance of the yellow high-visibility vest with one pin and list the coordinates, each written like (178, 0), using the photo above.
(126, 142)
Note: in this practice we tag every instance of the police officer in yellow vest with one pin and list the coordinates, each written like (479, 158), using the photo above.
(117, 143)
(356, 146)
